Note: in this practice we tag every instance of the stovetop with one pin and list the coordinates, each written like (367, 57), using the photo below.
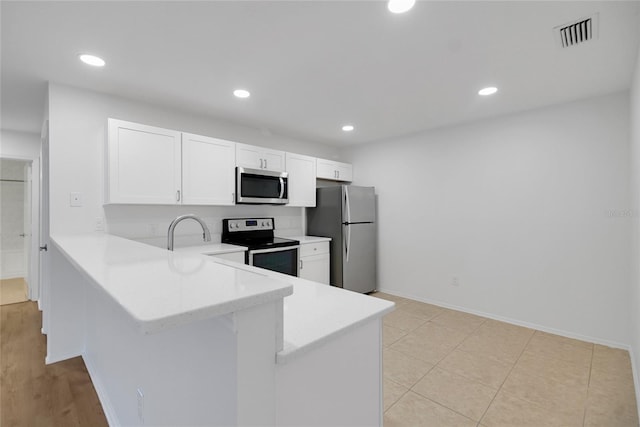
(254, 233)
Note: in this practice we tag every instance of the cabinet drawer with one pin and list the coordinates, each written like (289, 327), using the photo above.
(314, 249)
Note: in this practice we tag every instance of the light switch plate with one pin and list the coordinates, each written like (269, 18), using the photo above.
(75, 200)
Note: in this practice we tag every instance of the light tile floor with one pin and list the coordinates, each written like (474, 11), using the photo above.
(448, 368)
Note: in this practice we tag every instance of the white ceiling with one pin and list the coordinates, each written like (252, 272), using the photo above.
(313, 66)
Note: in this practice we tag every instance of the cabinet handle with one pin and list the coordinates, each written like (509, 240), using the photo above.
(301, 265)
(338, 172)
(265, 164)
(178, 196)
(233, 197)
(261, 164)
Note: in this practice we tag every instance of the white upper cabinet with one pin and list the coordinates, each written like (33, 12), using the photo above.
(250, 156)
(207, 170)
(143, 164)
(302, 180)
(335, 171)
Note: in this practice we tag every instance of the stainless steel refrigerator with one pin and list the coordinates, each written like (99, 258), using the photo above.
(347, 214)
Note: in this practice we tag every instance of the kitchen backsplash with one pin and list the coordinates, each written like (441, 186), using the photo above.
(149, 224)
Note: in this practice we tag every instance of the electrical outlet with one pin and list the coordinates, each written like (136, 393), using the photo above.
(454, 281)
(75, 200)
(140, 405)
(99, 224)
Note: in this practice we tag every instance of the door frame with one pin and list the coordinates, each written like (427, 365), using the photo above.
(32, 269)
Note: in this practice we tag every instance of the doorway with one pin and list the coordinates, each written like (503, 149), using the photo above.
(16, 193)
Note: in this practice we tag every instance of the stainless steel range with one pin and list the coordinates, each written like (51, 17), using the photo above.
(264, 249)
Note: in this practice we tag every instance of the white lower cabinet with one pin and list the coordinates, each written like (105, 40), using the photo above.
(314, 262)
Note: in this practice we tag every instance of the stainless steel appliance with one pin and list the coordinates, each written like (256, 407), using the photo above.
(347, 214)
(264, 249)
(257, 186)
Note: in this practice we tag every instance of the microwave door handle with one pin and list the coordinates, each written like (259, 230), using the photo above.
(281, 187)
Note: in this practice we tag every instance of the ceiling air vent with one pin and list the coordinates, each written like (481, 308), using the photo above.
(577, 32)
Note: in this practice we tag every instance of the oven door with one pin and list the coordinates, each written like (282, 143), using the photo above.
(283, 260)
(256, 186)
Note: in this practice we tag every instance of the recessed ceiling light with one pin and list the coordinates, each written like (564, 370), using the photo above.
(400, 6)
(487, 91)
(92, 60)
(348, 128)
(241, 93)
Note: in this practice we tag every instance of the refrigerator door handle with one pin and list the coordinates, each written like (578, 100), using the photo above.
(346, 203)
(347, 242)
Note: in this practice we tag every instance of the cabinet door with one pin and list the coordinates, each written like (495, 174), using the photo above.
(143, 164)
(345, 172)
(326, 169)
(274, 160)
(334, 171)
(208, 170)
(249, 156)
(302, 179)
(315, 268)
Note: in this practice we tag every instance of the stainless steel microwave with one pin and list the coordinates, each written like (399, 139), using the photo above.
(258, 186)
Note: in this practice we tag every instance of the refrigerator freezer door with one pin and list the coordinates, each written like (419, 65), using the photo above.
(359, 257)
(359, 204)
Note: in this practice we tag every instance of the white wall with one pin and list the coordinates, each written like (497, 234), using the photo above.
(78, 121)
(635, 215)
(527, 211)
(19, 145)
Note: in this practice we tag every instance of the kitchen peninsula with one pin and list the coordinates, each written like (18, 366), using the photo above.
(179, 338)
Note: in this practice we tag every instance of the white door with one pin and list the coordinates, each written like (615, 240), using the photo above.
(44, 228)
(208, 170)
(34, 249)
(26, 228)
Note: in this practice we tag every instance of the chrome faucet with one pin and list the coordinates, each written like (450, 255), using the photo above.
(205, 235)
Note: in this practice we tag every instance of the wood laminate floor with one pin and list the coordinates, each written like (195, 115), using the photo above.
(35, 394)
(13, 291)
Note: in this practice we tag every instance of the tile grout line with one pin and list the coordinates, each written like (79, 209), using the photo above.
(507, 376)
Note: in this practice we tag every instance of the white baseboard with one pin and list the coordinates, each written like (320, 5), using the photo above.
(613, 344)
(103, 397)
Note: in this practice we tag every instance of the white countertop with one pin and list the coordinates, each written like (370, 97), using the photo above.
(212, 249)
(310, 239)
(316, 312)
(161, 289)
